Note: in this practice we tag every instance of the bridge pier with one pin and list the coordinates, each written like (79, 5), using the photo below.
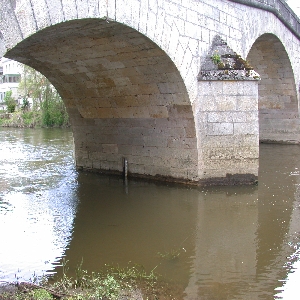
(227, 117)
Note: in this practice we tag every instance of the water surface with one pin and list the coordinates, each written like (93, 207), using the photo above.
(232, 242)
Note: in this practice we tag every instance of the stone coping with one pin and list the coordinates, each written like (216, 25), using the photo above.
(242, 75)
(280, 9)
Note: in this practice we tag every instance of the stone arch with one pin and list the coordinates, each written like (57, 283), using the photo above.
(277, 94)
(124, 95)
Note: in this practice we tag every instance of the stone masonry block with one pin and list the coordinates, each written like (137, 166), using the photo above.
(143, 17)
(139, 159)
(55, 11)
(246, 128)
(110, 148)
(228, 153)
(232, 116)
(233, 166)
(124, 15)
(138, 150)
(70, 10)
(230, 88)
(157, 141)
(179, 173)
(151, 23)
(158, 170)
(192, 15)
(176, 10)
(208, 88)
(182, 143)
(188, 162)
(82, 8)
(25, 19)
(220, 129)
(136, 168)
(246, 103)
(250, 88)
(96, 9)
(111, 165)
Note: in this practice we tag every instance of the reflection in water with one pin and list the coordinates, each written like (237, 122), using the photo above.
(224, 262)
(118, 224)
(292, 265)
(233, 242)
(278, 198)
(37, 204)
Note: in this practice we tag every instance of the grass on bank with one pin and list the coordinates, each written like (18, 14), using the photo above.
(111, 283)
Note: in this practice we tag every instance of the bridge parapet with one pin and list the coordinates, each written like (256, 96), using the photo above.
(280, 9)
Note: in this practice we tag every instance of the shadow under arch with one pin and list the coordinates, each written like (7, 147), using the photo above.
(277, 95)
(124, 95)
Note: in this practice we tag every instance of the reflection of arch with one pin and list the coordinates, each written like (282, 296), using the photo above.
(278, 106)
(124, 95)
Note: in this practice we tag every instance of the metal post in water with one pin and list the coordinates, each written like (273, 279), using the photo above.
(125, 167)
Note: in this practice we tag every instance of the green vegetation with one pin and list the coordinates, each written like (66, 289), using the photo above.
(216, 58)
(47, 108)
(10, 102)
(111, 283)
(40, 294)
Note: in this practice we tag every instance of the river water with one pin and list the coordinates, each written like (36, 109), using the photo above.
(230, 242)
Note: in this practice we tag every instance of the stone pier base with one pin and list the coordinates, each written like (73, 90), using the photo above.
(227, 127)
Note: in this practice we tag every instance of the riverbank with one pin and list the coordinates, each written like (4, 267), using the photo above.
(33, 119)
(27, 291)
(111, 283)
(145, 290)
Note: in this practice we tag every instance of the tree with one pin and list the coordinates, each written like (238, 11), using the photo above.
(46, 99)
(25, 105)
(10, 102)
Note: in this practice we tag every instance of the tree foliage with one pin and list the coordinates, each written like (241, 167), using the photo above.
(46, 100)
(10, 102)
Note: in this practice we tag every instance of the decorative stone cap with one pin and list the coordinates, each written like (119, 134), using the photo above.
(223, 63)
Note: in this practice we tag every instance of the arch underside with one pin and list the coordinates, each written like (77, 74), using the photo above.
(124, 96)
(277, 95)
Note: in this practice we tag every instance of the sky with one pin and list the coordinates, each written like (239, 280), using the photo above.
(295, 5)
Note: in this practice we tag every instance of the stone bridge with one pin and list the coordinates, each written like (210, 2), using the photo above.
(180, 90)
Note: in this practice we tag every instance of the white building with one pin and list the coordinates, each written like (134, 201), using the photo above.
(10, 74)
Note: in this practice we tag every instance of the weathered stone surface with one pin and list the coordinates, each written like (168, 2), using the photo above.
(222, 63)
(128, 73)
(227, 109)
(228, 132)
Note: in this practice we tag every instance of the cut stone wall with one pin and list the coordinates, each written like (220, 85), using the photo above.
(227, 126)
(227, 116)
(124, 96)
(164, 147)
(131, 68)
